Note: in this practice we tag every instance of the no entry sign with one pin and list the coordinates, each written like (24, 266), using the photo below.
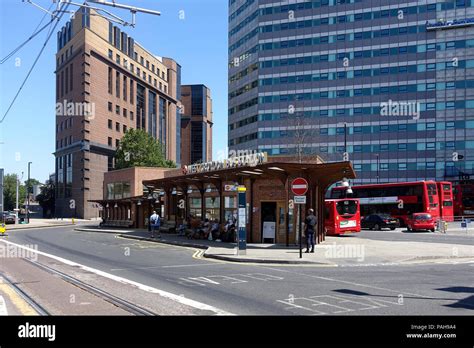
(299, 186)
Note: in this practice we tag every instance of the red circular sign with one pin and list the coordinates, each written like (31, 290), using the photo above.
(299, 186)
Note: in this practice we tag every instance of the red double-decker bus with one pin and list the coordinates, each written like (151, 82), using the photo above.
(397, 199)
(463, 193)
(445, 195)
(342, 216)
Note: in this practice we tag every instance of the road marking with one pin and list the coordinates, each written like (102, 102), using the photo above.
(347, 282)
(3, 306)
(17, 300)
(331, 304)
(192, 265)
(162, 293)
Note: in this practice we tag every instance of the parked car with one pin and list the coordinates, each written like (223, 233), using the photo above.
(421, 221)
(379, 221)
(8, 218)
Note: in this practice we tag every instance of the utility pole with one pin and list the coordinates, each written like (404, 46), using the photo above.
(28, 195)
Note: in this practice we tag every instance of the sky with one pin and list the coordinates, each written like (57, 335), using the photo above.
(197, 41)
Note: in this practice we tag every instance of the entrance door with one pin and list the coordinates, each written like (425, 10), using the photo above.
(281, 222)
(269, 222)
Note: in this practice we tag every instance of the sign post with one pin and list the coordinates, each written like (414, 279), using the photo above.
(242, 232)
(299, 187)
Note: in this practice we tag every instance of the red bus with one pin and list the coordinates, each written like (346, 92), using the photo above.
(341, 216)
(463, 199)
(445, 197)
(397, 199)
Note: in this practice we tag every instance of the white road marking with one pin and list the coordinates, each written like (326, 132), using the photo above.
(3, 306)
(192, 265)
(165, 294)
(347, 282)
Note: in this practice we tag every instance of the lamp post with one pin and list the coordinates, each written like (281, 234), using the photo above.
(28, 195)
(345, 137)
(18, 180)
(378, 168)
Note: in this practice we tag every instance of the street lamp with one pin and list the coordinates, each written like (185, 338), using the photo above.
(28, 195)
(378, 168)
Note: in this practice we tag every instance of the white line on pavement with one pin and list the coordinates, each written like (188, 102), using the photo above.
(3, 306)
(165, 294)
(192, 265)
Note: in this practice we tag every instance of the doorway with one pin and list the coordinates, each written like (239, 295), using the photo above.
(268, 220)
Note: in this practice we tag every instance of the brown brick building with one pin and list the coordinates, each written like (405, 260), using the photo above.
(196, 124)
(106, 83)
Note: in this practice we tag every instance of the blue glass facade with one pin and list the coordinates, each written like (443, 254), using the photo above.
(405, 89)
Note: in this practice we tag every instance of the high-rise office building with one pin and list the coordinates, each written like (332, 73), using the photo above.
(196, 124)
(106, 83)
(386, 84)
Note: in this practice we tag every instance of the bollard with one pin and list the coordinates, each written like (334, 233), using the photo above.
(3, 229)
(73, 221)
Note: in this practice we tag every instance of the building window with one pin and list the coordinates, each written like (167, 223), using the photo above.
(117, 59)
(131, 92)
(124, 87)
(124, 128)
(131, 115)
(110, 80)
(124, 112)
(117, 84)
(70, 77)
(117, 126)
(110, 124)
(109, 141)
(117, 143)
(109, 106)
(110, 54)
(117, 109)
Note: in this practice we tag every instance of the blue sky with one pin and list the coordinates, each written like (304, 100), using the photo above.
(198, 42)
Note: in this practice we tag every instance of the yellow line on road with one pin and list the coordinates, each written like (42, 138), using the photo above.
(17, 300)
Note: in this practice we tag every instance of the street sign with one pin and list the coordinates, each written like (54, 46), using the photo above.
(300, 199)
(299, 186)
(230, 188)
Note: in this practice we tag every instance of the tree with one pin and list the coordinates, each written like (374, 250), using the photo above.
(139, 149)
(9, 192)
(47, 198)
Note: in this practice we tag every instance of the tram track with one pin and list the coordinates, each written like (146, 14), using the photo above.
(106, 296)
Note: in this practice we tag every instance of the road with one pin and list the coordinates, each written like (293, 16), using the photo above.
(141, 272)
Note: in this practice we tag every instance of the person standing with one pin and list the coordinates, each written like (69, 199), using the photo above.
(310, 224)
(155, 224)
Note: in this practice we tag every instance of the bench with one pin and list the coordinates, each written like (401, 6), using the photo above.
(117, 223)
(168, 227)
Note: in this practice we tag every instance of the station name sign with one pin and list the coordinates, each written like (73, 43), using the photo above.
(455, 23)
(250, 160)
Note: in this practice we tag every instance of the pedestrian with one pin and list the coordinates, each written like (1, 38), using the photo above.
(310, 224)
(155, 224)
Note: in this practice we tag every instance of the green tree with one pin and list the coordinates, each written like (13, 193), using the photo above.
(139, 149)
(9, 192)
(47, 198)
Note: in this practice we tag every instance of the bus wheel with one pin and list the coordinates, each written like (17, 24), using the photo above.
(377, 227)
(432, 230)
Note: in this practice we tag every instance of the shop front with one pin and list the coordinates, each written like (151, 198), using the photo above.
(209, 191)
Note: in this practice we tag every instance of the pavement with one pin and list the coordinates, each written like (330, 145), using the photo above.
(41, 223)
(355, 250)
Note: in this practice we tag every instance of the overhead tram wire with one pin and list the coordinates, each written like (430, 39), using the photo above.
(34, 34)
(58, 19)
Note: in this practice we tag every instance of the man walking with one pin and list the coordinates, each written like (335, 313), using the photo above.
(310, 224)
(155, 224)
